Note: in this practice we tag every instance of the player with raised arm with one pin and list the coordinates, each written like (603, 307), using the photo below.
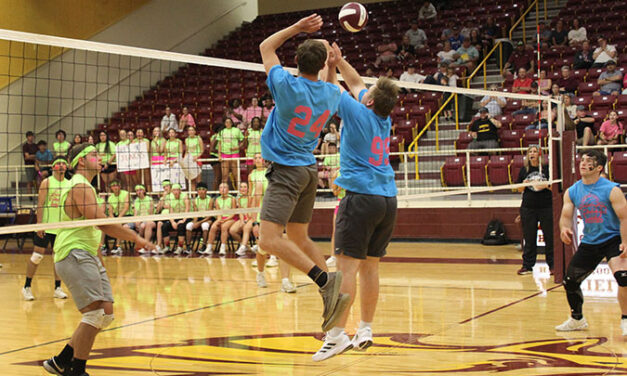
(304, 104)
(604, 211)
(367, 214)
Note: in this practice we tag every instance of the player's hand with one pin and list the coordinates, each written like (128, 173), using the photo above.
(623, 249)
(567, 236)
(335, 56)
(517, 219)
(309, 24)
(144, 244)
(41, 233)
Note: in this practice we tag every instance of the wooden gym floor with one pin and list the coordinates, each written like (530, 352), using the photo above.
(444, 309)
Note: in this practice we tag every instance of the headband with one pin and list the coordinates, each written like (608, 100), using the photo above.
(59, 161)
(166, 182)
(82, 154)
(140, 186)
(176, 186)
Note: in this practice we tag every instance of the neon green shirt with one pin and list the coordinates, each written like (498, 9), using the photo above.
(61, 148)
(142, 205)
(192, 144)
(105, 156)
(254, 143)
(257, 176)
(52, 211)
(155, 145)
(225, 203)
(176, 205)
(117, 202)
(202, 204)
(172, 148)
(229, 139)
(332, 161)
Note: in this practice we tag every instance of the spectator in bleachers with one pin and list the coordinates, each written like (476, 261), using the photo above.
(252, 111)
(389, 73)
(455, 38)
(106, 152)
(90, 139)
(194, 147)
(330, 165)
(603, 53)
(410, 75)
(168, 121)
(240, 230)
(229, 142)
(476, 41)
(545, 33)
(452, 77)
(522, 83)
(77, 140)
(612, 130)
(386, 51)
(252, 142)
(543, 122)
(584, 125)
(528, 107)
(427, 11)
(578, 34)
(449, 80)
(625, 85)
(568, 83)
(43, 160)
(584, 58)
(493, 103)
(29, 151)
(610, 81)
(447, 55)
(467, 55)
(216, 166)
(331, 137)
(447, 31)
(555, 91)
(522, 57)
(186, 120)
(60, 147)
(442, 70)
(143, 205)
(489, 32)
(559, 36)
(405, 50)
(173, 148)
(484, 131)
(224, 222)
(468, 27)
(202, 202)
(235, 112)
(545, 83)
(569, 106)
(130, 135)
(119, 205)
(157, 146)
(268, 105)
(417, 36)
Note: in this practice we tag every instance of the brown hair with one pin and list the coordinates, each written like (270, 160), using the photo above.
(311, 56)
(385, 96)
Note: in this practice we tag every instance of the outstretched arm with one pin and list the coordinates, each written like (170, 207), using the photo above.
(269, 46)
(350, 75)
(566, 219)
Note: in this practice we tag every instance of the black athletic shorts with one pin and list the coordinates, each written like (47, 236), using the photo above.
(180, 229)
(109, 169)
(364, 225)
(43, 242)
(588, 256)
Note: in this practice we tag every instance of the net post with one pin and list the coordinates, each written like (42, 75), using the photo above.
(456, 113)
(17, 187)
(468, 194)
(406, 173)
(562, 252)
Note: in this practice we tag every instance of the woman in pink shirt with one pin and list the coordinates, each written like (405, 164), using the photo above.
(186, 120)
(611, 130)
(252, 111)
(236, 112)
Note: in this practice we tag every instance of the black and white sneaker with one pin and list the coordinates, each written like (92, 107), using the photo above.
(53, 368)
(332, 347)
(362, 339)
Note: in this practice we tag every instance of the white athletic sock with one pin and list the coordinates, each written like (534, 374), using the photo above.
(335, 331)
(287, 279)
(363, 324)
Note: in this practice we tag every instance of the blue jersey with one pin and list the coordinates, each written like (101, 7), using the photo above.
(593, 201)
(365, 150)
(302, 108)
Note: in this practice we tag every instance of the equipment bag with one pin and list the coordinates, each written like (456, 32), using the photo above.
(494, 233)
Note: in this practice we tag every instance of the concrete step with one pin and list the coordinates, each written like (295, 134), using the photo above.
(444, 134)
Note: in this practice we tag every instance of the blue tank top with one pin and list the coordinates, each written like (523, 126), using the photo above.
(593, 201)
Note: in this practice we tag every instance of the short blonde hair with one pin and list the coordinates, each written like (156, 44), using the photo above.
(385, 96)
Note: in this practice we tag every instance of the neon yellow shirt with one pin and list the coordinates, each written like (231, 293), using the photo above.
(192, 144)
(229, 139)
(117, 202)
(52, 211)
(254, 143)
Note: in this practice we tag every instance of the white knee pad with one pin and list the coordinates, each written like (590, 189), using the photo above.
(205, 226)
(36, 258)
(94, 318)
(107, 320)
(189, 226)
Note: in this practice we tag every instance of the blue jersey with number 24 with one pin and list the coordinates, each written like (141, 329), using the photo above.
(302, 108)
(364, 150)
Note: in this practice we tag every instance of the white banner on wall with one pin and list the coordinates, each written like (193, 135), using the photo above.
(161, 172)
(132, 157)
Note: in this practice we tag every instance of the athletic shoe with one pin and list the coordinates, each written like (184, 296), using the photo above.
(523, 271)
(187, 251)
(27, 294)
(53, 368)
(273, 262)
(261, 280)
(331, 262)
(166, 250)
(143, 251)
(255, 248)
(362, 339)
(241, 251)
(623, 326)
(518, 247)
(222, 250)
(178, 251)
(103, 250)
(157, 251)
(572, 325)
(254, 263)
(334, 302)
(59, 294)
(206, 251)
(287, 286)
(332, 347)
(116, 251)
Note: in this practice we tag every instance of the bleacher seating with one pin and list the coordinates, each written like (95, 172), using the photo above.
(452, 172)
(498, 169)
(478, 171)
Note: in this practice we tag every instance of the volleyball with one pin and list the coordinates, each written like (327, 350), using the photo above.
(353, 17)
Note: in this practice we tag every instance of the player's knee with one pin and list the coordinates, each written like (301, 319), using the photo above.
(94, 318)
(570, 284)
(36, 258)
(107, 320)
(205, 226)
(189, 226)
(621, 278)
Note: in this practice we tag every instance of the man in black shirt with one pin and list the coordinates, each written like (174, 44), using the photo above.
(584, 58)
(484, 131)
(585, 127)
(28, 150)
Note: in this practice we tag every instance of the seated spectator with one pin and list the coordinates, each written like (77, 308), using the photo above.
(625, 85)
(603, 53)
(451, 80)
(528, 107)
(43, 159)
(389, 73)
(235, 112)
(447, 55)
(332, 136)
(568, 83)
(611, 131)
(610, 81)
(410, 75)
(545, 83)
(555, 91)
(522, 57)
(442, 70)
(168, 121)
(467, 55)
(252, 111)
(493, 103)
(386, 51)
(417, 37)
(77, 140)
(468, 27)
(447, 31)
(584, 125)
(405, 50)
(475, 40)
(489, 32)
(569, 106)
(584, 58)
(455, 38)
(522, 83)
(543, 122)
(427, 11)
(331, 165)
(577, 35)
(224, 223)
(559, 36)
(545, 33)
(186, 120)
(202, 202)
(484, 131)
(60, 147)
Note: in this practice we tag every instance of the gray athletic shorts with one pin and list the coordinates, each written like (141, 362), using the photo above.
(31, 174)
(290, 195)
(85, 277)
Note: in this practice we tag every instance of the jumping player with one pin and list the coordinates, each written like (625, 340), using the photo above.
(304, 104)
(604, 211)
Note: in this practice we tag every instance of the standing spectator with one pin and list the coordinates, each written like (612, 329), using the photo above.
(559, 36)
(603, 53)
(331, 137)
(173, 148)
(90, 139)
(568, 83)
(537, 206)
(522, 57)
(475, 40)
(610, 81)
(484, 131)
(268, 105)
(331, 165)
(427, 11)
(611, 130)
(143, 175)
(456, 38)
(405, 50)
(493, 103)
(215, 155)
(411, 76)
(584, 58)
(577, 35)
(229, 142)
(194, 147)
(125, 175)
(447, 55)
(252, 111)
(386, 51)
(43, 160)
(545, 83)
(451, 80)
(467, 56)
(569, 106)
(489, 32)
(417, 37)
(252, 142)
(522, 83)
(78, 139)
(235, 112)
(584, 125)
(168, 121)
(61, 147)
(29, 151)
(106, 153)
(186, 120)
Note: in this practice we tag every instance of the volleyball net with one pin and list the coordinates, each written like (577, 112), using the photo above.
(161, 119)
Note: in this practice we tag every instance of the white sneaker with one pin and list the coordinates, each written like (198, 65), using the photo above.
(331, 262)
(255, 248)
(116, 251)
(362, 339)
(241, 251)
(59, 294)
(222, 249)
(332, 347)
(27, 294)
(206, 251)
(178, 251)
(143, 251)
(166, 249)
(287, 286)
(572, 325)
(623, 326)
(273, 262)
(254, 263)
(187, 251)
(261, 280)
(157, 251)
